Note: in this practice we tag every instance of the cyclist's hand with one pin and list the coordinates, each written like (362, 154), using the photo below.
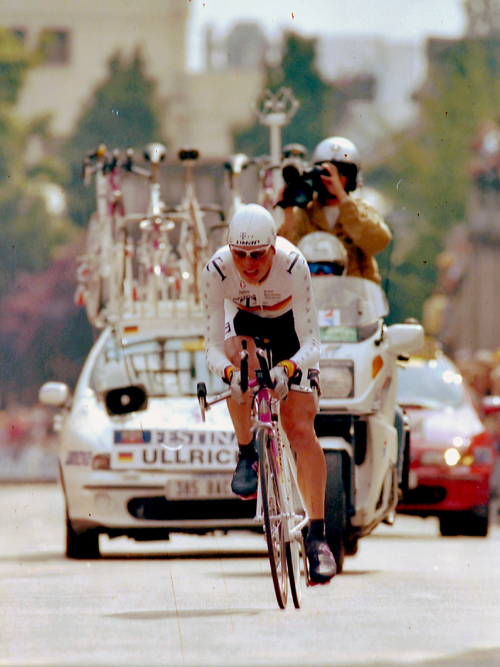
(280, 378)
(235, 386)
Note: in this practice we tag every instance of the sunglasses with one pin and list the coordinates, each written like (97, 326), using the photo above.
(254, 254)
(326, 268)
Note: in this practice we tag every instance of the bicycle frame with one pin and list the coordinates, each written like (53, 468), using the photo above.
(279, 447)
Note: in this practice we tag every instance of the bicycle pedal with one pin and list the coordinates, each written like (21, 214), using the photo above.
(252, 497)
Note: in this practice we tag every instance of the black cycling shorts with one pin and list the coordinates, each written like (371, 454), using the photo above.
(277, 333)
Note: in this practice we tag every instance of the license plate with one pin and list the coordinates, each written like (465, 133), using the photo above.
(203, 488)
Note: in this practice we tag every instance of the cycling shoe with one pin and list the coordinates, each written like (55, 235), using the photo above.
(322, 565)
(244, 482)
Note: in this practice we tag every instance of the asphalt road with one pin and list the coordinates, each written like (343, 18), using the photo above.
(408, 597)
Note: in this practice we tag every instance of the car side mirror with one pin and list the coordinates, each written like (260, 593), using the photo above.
(123, 400)
(54, 394)
(405, 339)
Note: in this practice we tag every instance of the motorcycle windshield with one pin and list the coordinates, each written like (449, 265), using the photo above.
(349, 309)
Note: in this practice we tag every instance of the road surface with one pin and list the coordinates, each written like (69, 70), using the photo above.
(408, 597)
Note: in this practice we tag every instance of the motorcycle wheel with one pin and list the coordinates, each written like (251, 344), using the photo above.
(335, 508)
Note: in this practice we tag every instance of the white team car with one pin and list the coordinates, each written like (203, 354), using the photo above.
(135, 457)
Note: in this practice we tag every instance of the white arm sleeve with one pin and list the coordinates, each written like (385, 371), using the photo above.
(304, 315)
(213, 311)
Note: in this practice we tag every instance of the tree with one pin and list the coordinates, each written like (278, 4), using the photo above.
(28, 231)
(30, 234)
(43, 334)
(123, 112)
(426, 173)
(321, 105)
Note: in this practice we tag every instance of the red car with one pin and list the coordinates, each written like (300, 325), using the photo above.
(452, 454)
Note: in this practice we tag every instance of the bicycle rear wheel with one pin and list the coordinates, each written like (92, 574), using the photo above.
(274, 517)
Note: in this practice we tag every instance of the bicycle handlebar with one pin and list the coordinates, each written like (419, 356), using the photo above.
(264, 368)
(105, 162)
(244, 367)
(205, 405)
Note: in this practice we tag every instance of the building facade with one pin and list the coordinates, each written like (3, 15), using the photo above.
(78, 38)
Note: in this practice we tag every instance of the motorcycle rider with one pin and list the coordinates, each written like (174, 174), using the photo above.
(358, 225)
(326, 255)
(259, 286)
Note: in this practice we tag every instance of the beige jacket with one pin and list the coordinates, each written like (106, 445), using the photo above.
(360, 228)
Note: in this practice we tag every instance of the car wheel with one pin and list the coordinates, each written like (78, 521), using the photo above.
(82, 546)
(335, 507)
(449, 525)
(473, 523)
(476, 522)
(351, 546)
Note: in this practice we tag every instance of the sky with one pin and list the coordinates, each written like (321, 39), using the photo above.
(398, 20)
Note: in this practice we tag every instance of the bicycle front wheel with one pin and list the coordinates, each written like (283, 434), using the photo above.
(274, 517)
(293, 565)
(295, 515)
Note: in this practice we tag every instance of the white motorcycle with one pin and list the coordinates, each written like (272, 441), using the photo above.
(358, 405)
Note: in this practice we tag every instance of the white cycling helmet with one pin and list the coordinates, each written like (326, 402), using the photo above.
(340, 150)
(324, 253)
(252, 225)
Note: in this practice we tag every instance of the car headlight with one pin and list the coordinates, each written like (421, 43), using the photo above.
(337, 378)
(452, 456)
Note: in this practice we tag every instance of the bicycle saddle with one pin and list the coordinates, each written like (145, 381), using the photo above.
(237, 163)
(188, 154)
(155, 153)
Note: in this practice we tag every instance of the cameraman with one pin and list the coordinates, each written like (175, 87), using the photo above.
(330, 208)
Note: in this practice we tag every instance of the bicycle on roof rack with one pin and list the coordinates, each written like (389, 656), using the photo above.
(100, 272)
(280, 507)
(194, 247)
(266, 192)
(157, 274)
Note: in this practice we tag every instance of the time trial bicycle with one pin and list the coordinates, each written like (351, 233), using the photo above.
(280, 507)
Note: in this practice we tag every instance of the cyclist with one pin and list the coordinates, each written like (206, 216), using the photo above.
(361, 229)
(260, 286)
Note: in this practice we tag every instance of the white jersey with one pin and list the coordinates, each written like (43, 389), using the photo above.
(287, 287)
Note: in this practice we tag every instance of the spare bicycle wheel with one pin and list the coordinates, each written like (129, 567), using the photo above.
(273, 518)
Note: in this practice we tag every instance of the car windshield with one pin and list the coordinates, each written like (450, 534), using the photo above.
(349, 309)
(164, 366)
(433, 384)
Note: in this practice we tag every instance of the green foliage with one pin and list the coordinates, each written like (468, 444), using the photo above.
(321, 105)
(14, 64)
(28, 233)
(426, 174)
(122, 113)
